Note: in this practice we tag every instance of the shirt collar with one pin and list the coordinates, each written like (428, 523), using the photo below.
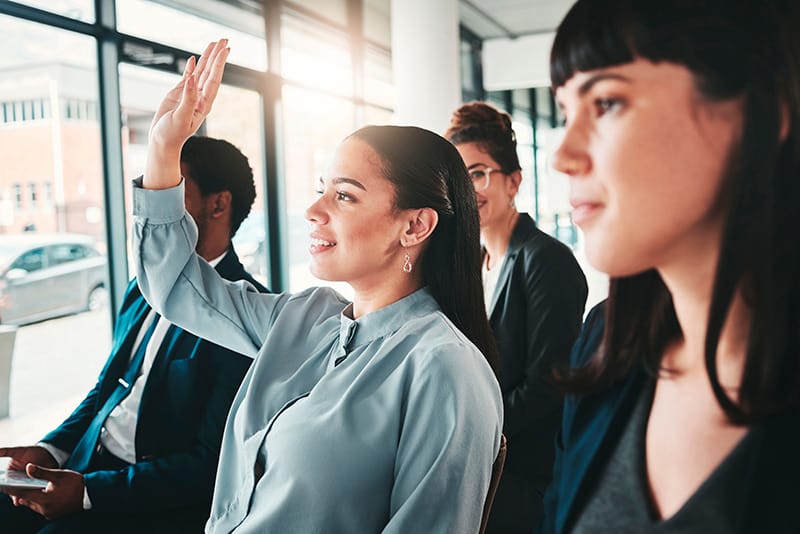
(384, 321)
(218, 259)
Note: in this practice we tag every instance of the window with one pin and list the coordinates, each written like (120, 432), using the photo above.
(75, 9)
(315, 125)
(47, 193)
(17, 196)
(377, 21)
(333, 10)
(57, 165)
(32, 193)
(30, 261)
(197, 26)
(66, 253)
(315, 56)
(378, 84)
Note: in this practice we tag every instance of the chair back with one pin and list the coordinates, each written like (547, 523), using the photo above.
(497, 471)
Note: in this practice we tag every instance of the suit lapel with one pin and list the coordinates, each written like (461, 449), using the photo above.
(502, 278)
(522, 229)
(130, 323)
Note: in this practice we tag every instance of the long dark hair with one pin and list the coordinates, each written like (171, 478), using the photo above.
(479, 122)
(747, 49)
(428, 172)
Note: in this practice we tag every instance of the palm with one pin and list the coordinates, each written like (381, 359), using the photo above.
(186, 105)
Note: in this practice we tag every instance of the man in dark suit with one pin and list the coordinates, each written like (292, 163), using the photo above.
(139, 454)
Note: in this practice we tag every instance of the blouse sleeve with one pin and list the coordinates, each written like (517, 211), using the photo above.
(183, 287)
(449, 440)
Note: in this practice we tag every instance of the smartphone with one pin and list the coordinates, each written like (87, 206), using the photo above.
(20, 480)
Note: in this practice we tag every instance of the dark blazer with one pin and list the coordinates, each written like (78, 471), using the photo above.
(536, 315)
(591, 422)
(181, 417)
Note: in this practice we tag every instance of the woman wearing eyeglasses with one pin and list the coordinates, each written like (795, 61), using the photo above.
(535, 293)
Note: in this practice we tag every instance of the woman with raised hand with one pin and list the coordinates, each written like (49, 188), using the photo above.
(535, 293)
(682, 147)
(380, 415)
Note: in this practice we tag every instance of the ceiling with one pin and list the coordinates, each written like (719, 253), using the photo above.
(512, 18)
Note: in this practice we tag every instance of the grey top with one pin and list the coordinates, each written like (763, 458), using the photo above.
(619, 501)
(387, 423)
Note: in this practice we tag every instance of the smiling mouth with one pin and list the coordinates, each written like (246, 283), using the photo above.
(319, 245)
(582, 212)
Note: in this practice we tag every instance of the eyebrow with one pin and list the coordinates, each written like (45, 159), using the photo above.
(345, 180)
(586, 86)
(479, 164)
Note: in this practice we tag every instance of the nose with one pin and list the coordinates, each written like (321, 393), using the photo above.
(315, 212)
(571, 157)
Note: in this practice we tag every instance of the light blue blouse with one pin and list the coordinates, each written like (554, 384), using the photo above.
(388, 423)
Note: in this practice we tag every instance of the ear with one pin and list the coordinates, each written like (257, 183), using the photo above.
(419, 226)
(514, 179)
(220, 203)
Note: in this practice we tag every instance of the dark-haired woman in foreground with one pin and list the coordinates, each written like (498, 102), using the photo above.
(682, 145)
(535, 293)
(380, 415)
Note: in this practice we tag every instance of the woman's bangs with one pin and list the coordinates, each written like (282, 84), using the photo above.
(593, 35)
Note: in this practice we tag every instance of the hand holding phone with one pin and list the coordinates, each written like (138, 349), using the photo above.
(20, 480)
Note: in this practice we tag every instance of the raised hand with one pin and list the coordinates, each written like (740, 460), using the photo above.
(180, 114)
(21, 456)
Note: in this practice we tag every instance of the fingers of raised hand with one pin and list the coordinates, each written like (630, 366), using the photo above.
(201, 65)
(188, 70)
(211, 63)
(184, 112)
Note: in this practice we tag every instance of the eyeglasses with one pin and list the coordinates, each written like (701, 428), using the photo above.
(480, 177)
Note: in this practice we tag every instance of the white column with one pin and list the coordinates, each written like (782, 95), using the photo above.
(426, 62)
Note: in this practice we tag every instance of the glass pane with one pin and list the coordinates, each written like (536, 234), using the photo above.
(378, 80)
(316, 57)
(524, 133)
(245, 31)
(373, 115)
(521, 100)
(555, 212)
(467, 73)
(140, 90)
(334, 10)
(544, 105)
(377, 21)
(51, 193)
(236, 118)
(315, 124)
(74, 9)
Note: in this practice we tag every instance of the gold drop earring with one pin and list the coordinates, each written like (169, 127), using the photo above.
(407, 266)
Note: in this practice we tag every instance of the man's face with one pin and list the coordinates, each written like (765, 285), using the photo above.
(196, 204)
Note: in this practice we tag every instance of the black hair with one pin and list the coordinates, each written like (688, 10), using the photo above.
(216, 165)
(428, 172)
(479, 122)
(735, 49)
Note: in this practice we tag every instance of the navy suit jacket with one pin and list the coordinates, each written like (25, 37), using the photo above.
(591, 422)
(181, 417)
(536, 313)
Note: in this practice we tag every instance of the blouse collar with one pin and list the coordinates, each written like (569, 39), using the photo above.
(382, 322)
